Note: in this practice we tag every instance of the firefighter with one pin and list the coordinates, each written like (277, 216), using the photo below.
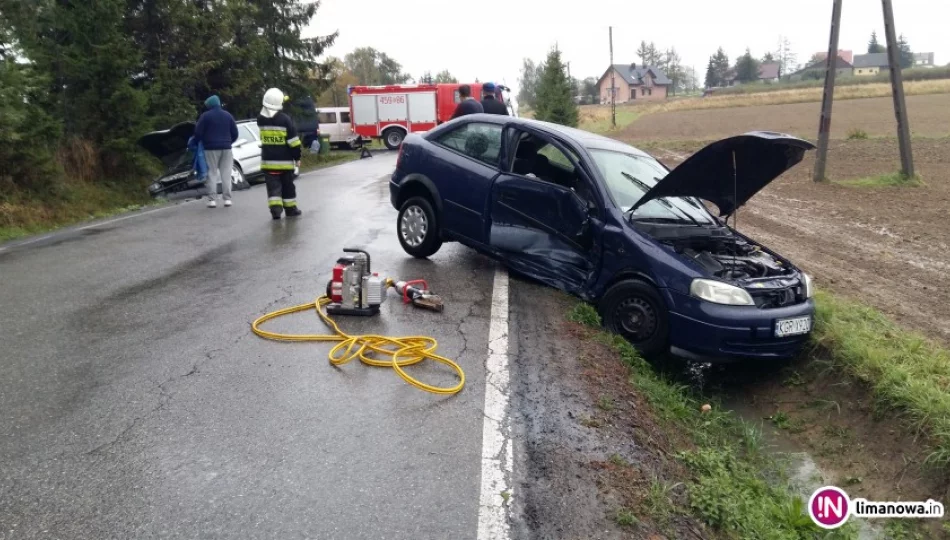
(280, 155)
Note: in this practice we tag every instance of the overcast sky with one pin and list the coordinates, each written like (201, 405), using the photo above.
(488, 40)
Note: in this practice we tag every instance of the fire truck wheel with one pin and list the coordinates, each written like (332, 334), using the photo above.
(417, 228)
(393, 138)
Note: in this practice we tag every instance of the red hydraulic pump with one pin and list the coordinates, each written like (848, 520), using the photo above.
(355, 289)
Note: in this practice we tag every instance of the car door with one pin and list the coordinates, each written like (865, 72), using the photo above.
(545, 215)
(246, 150)
(467, 162)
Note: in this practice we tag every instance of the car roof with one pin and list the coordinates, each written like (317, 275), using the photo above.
(591, 141)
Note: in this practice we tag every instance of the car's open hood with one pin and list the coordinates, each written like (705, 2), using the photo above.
(169, 145)
(713, 175)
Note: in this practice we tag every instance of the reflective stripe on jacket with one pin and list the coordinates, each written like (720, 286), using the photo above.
(280, 145)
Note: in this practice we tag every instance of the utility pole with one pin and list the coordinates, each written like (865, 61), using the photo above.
(613, 89)
(897, 91)
(824, 125)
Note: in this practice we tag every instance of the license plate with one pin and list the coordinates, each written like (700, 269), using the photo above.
(792, 327)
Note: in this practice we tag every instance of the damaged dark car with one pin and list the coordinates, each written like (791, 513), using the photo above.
(611, 224)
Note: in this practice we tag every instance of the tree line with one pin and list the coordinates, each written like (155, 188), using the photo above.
(719, 71)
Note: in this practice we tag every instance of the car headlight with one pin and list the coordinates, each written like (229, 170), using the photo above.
(718, 292)
(809, 286)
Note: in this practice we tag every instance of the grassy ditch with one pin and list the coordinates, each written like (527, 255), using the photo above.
(734, 486)
(23, 214)
(906, 372)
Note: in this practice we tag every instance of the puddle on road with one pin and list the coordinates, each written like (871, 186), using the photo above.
(805, 475)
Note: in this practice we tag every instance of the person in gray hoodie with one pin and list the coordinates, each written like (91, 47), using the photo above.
(217, 131)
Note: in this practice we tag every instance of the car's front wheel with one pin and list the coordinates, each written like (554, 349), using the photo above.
(635, 310)
(238, 181)
(418, 228)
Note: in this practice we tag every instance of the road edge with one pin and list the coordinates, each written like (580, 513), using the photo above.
(497, 453)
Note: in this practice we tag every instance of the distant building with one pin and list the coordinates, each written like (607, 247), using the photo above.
(632, 83)
(924, 59)
(848, 56)
(868, 65)
(768, 73)
(816, 70)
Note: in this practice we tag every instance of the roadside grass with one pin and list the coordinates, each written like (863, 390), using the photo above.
(311, 162)
(897, 179)
(735, 486)
(905, 371)
(24, 214)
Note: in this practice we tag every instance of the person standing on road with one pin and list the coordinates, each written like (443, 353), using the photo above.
(216, 130)
(467, 105)
(490, 104)
(280, 155)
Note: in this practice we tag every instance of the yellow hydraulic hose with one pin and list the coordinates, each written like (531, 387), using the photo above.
(404, 351)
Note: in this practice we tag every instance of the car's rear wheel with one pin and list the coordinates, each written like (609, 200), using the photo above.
(238, 181)
(393, 138)
(418, 228)
(635, 310)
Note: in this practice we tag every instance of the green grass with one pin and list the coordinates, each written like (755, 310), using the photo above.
(884, 180)
(24, 214)
(312, 162)
(906, 372)
(618, 460)
(626, 518)
(597, 120)
(734, 486)
(857, 134)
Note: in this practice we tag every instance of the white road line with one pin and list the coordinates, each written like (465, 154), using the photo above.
(90, 226)
(496, 489)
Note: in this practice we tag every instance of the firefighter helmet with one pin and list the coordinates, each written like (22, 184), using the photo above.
(274, 99)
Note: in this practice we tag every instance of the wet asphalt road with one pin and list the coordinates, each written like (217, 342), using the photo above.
(136, 403)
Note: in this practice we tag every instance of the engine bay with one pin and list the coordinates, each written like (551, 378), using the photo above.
(731, 258)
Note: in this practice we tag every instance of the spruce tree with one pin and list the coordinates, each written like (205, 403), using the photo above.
(747, 67)
(874, 46)
(711, 80)
(905, 55)
(555, 100)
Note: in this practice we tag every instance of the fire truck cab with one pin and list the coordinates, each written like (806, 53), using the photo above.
(391, 112)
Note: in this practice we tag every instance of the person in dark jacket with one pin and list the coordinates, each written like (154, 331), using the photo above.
(280, 154)
(490, 103)
(216, 130)
(467, 105)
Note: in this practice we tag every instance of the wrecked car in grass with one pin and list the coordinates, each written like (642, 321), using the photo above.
(610, 224)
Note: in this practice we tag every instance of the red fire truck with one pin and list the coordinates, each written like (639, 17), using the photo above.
(391, 112)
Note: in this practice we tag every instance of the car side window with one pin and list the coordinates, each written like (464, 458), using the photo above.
(255, 131)
(327, 117)
(539, 159)
(475, 140)
(345, 117)
(245, 133)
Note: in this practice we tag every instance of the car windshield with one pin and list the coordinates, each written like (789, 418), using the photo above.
(629, 177)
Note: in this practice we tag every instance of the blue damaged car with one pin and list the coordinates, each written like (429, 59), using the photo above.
(610, 224)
